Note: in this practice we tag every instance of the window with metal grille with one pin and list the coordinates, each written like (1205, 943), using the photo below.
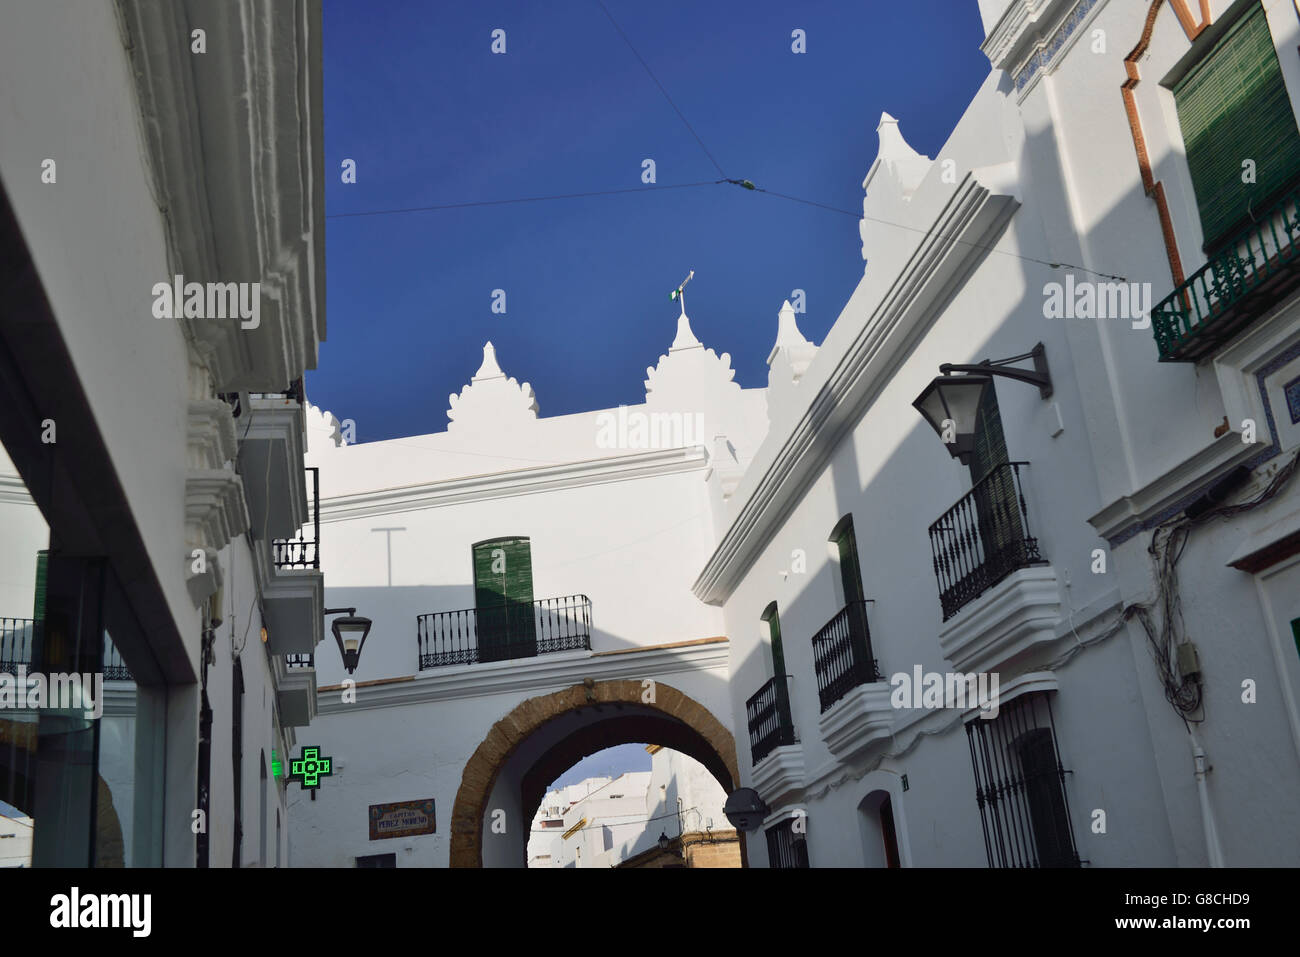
(787, 847)
(1020, 786)
(1232, 107)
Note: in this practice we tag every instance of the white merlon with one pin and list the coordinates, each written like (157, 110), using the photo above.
(491, 401)
(905, 165)
(790, 341)
(685, 338)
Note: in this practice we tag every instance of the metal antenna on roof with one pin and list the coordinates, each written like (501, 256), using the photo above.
(679, 294)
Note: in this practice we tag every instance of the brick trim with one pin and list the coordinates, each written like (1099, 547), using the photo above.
(1153, 187)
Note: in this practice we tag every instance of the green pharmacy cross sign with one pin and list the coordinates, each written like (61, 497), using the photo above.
(310, 768)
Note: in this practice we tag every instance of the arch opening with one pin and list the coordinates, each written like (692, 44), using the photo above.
(506, 778)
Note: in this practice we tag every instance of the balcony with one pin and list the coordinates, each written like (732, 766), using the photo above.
(842, 655)
(770, 724)
(983, 538)
(506, 632)
(777, 758)
(17, 639)
(1237, 286)
(296, 689)
(271, 448)
(293, 588)
(304, 550)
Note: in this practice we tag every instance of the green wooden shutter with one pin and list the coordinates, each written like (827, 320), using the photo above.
(773, 620)
(1233, 106)
(503, 599)
(850, 571)
(990, 446)
(996, 504)
(42, 575)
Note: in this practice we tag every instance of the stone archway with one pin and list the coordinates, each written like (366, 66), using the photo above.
(506, 735)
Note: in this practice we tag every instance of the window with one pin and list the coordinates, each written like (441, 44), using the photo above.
(377, 860)
(1020, 786)
(845, 542)
(997, 511)
(503, 599)
(768, 710)
(774, 639)
(787, 848)
(1233, 106)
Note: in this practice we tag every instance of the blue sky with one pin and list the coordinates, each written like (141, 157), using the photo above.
(608, 763)
(414, 95)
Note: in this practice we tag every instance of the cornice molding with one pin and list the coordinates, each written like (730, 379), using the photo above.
(13, 491)
(505, 484)
(528, 677)
(959, 236)
(1165, 496)
(249, 130)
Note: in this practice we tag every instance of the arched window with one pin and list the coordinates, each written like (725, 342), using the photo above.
(844, 543)
(773, 621)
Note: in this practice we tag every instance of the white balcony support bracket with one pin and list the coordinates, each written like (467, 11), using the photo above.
(779, 777)
(1021, 611)
(860, 720)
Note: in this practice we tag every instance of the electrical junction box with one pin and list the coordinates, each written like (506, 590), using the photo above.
(1189, 662)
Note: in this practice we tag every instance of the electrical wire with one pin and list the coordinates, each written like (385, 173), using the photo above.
(679, 113)
(523, 199)
(747, 185)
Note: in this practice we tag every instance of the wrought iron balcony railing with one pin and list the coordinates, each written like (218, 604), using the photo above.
(842, 654)
(300, 661)
(295, 393)
(1237, 285)
(114, 667)
(16, 637)
(983, 538)
(512, 630)
(17, 644)
(770, 724)
(303, 551)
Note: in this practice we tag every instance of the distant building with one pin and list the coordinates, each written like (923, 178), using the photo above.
(15, 840)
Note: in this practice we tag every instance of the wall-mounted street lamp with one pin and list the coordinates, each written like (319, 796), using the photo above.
(951, 402)
(350, 633)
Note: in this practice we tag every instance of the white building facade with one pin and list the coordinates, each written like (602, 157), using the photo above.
(161, 212)
(1090, 292)
(1146, 710)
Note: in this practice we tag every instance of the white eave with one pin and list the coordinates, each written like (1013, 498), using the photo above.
(849, 370)
(240, 175)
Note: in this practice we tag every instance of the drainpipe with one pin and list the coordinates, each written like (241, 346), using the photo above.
(1212, 848)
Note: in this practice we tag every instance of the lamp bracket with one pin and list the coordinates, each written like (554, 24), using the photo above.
(1040, 377)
